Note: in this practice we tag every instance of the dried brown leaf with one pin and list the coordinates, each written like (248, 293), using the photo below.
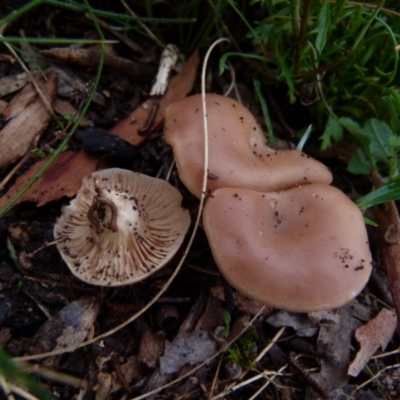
(67, 328)
(333, 346)
(374, 335)
(63, 178)
(187, 348)
(178, 88)
(152, 346)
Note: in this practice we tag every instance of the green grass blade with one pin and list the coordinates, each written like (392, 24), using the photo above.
(264, 108)
(21, 11)
(387, 192)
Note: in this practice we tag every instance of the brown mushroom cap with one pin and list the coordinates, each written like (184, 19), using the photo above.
(238, 154)
(121, 227)
(304, 249)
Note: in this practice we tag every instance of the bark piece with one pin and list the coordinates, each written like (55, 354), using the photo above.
(27, 117)
(12, 83)
(388, 236)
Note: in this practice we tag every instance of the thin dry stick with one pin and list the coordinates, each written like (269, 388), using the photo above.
(56, 376)
(389, 353)
(204, 184)
(260, 356)
(214, 382)
(266, 384)
(266, 374)
(6, 389)
(21, 392)
(269, 345)
(379, 373)
(174, 274)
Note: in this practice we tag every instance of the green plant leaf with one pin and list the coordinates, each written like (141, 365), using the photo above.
(333, 131)
(392, 102)
(359, 163)
(363, 139)
(223, 60)
(324, 26)
(16, 374)
(379, 132)
(264, 108)
(388, 192)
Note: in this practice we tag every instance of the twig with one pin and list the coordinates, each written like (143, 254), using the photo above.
(270, 344)
(265, 374)
(266, 384)
(6, 389)
(215, 377)
(379, 373)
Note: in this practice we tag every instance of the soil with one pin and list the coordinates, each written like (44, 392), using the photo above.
(43, 307)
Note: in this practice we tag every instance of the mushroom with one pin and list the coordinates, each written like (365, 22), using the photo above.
(238, 154)
(121, 227)
(304, 249)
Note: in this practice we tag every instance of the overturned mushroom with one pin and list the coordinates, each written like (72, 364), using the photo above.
(121, 227)
(238, 154)
(303, 249)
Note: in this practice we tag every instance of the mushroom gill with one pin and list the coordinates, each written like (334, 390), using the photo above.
(121, 227)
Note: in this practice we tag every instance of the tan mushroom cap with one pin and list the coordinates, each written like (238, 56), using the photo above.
(304, 249)
(238, 154)
(139, 224)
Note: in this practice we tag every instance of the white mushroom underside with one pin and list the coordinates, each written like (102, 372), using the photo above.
(150, 223)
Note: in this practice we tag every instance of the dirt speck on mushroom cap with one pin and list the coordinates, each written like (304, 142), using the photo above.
(150, 227)
(303, 249)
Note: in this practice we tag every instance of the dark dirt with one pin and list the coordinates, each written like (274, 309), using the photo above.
(126, 364)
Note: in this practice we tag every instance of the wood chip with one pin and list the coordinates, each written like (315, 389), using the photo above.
(12, 83)
(27, 118)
